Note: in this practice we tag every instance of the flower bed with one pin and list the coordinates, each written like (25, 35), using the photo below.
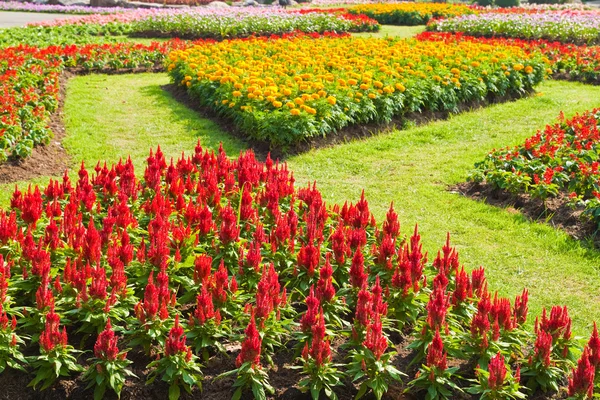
(286, 91)
(189, 23)
(564, 26)
(235, 24)
(410, 13)
(563, 158)
(47, 8)
(567, 61)
(206, 253)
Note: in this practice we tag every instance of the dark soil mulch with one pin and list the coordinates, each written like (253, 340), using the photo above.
(51, 159)
(554, 211)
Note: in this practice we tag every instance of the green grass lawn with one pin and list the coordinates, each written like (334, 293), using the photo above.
(109, 117)
(390, 30)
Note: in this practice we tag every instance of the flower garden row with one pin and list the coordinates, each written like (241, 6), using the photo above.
(285, 91)
(561, 159)
(206, 252)
(565, 26)
(192, 24)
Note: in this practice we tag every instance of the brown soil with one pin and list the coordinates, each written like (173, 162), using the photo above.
(554, 211)
(51, 159)
(283, 379)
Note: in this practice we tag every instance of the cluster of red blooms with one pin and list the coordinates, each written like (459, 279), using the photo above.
(250, 346)
(319, 349)
(106, 345)
(370, 309)
(582, 378)
(497, 372)
(52, 336)
(436, 356)
(175, 343)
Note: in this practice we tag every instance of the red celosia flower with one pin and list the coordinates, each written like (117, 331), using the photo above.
(205, 309)
(106, 344)
(520, 309)
(582, 380)
(478, 281)
(325, 290)
(462, 288)
(52, 336)
(391, 226)
(375, 339)
(436, 356)
(320, 349)
(358, 277)
(543, 348)
(312, 309)
(364, 306)
(250, 346)
(594, 346)
(229, 230)
(497, 372)
(175, 342)
(379, 306)
(437, 308)
(308, 258)
(202, 268)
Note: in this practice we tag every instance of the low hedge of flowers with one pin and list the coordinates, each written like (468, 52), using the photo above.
(566, 61)
(188, 23)
(48, 8)
(235, 24)
(410, 13)
(207, 252)
(561, 159)
(564, 26)
(286, 91)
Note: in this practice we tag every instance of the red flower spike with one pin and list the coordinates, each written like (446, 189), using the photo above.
(543, 348)
(52, 336)
(497, 372)
(520, 309)
(320, 349)
(594, 346)
(358, 277)
(106, 344)
(364, 307)
(251, 346)
(202, 268)
(175, 342)
(309, 318)
(582, 380)
(325, 290)
(375, 339)
(436, 356)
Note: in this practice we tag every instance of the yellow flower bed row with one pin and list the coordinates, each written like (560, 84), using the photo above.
(410, 13)
(285, 90)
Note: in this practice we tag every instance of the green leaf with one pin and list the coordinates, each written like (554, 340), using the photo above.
(174, 392)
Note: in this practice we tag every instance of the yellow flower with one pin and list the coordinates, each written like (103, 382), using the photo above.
(236, 93)
(295, 111)
(528, 69)
(277, 104)
(331, 100)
